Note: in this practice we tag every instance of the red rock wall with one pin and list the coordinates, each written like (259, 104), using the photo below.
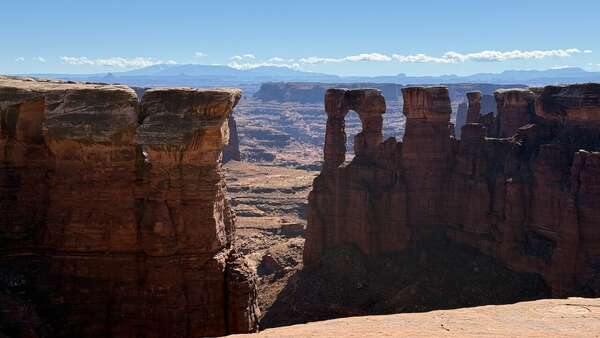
(339, 208)
(530, 199)
(515, 109)
(125, 205)
(425, 154)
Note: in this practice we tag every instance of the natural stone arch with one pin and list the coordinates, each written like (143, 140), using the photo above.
(369, 105)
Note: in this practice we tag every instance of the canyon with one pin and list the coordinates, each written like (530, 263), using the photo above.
(283, 124)
(113, 214)
(116, 220)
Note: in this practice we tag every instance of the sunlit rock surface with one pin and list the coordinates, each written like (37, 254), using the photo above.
(113, 214)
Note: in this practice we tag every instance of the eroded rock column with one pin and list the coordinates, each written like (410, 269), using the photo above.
(335, 133)
(425, 152)
(515, 109)
(338, 205)
(474, 109)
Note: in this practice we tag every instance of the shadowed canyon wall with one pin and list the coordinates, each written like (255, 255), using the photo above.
(113, 215)
(483, 109)
(522, 186)
(231, 151)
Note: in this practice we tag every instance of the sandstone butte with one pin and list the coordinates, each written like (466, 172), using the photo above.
(525, 191)
(113, 213)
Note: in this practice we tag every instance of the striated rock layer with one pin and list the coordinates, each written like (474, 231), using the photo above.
(529, 199)
(113, 214)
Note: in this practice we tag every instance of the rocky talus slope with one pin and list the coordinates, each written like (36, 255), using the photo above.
(270, 203)
(113, 216)
(527, 194)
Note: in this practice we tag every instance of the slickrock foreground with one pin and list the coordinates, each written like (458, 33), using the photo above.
(527, 195)
(113, 216)
(572, 317)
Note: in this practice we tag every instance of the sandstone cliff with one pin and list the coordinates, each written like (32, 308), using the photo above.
(113, 214)
(529, 199)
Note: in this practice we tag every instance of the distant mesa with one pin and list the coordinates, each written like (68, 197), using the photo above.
(197, 75)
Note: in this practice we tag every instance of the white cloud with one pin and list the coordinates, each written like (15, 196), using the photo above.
(251, 65)
(120, 62)
(39, 59)
(450, 57)
(375, 57)
(199, 54)
(419, 58)
(489, 56)
(276, 59)
(20, 59)
(316, 60)
(242, 57)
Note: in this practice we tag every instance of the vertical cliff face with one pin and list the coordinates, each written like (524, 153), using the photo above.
(461, 118)
(425, 153)
(569, 104)
(474, 109)
(515, 109)
(530, 199)
(131, 228)
(231, 151)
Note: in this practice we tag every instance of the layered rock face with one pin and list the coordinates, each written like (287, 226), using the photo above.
(342, 211)
(122, 208)
(531, 199)
(425, 154)
(515, 109)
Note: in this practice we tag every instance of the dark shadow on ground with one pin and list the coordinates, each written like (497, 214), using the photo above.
(437, 275)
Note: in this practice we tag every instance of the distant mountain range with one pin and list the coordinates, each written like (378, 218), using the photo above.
(195, 75)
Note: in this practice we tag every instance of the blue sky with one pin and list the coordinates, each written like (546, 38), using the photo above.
(418, 37)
